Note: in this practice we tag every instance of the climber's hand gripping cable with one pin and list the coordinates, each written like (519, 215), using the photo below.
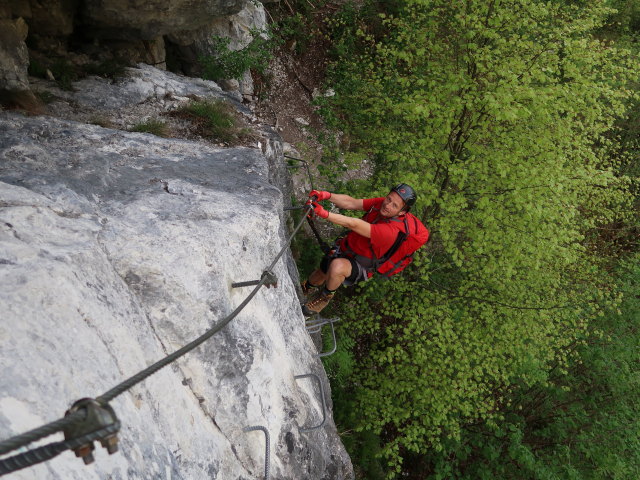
(316, 209)
(320, 195)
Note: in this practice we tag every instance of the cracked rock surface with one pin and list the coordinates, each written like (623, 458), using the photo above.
(117, 248)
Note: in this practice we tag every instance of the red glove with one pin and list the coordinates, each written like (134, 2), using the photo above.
(318, 210)
(320, 195)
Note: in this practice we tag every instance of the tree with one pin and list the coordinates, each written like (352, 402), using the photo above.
(497, 112)
(581, 425)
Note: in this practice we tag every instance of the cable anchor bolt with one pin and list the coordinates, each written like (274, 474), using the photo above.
(271, 279)
(98, 416)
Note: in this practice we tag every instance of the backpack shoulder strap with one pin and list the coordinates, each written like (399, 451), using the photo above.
(400, 238)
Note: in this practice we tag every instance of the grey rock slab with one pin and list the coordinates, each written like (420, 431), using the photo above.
(144, 93)
(142, 84)
(117, 248)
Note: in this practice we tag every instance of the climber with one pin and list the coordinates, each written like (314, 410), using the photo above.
(383, 242)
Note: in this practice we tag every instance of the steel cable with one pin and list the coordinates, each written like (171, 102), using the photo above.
(26, 438)
(52, 450)
(127, 384)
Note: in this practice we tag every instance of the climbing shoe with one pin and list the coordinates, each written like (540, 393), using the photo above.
(317, 304)
(309, 290)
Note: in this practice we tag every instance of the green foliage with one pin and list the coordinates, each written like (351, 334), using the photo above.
(501, 115)
(340, 365)
(305, 250)
(335, 163)
(294, 31)
(294, 23)
(582, 425)
(226, 63)
(365, 446)
(624, 21)
(65, 73)
(153, 126)
(216, 120)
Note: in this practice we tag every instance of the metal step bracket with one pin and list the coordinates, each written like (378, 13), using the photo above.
(315, 325)
(324, 409)
(267, 449)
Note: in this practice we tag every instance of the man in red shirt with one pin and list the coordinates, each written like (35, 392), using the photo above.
(354, 257)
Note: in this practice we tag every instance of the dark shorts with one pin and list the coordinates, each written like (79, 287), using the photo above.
(358, 272)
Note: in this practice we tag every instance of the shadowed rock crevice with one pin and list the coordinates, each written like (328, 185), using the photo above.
(66, 40)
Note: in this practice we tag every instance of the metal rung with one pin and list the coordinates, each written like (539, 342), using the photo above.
(319, 321)
(335, 343)
(315, 326)
(271, 281)
(267, 448)
(324, 412)
(245, 284)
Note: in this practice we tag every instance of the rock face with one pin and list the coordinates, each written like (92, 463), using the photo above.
(49, 18)
(14, 57)
(147, 19)
(238, 28)
(118, 248)
(73, 33)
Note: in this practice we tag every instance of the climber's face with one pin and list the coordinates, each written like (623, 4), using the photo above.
(392, 205)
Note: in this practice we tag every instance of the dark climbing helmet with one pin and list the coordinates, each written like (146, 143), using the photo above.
(407, 194)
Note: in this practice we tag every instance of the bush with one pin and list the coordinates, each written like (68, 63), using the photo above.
(216, 120)
(153, 126)
(227, 63)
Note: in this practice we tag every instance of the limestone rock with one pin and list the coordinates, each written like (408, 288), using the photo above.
(53, 18)
(18, 8)
(117, 248)
(5, 10)
(132, 52)
(237, 28)
(14, 56)
(145, 92)
(148, 19)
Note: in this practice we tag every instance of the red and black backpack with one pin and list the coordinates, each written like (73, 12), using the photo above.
(400, 254)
